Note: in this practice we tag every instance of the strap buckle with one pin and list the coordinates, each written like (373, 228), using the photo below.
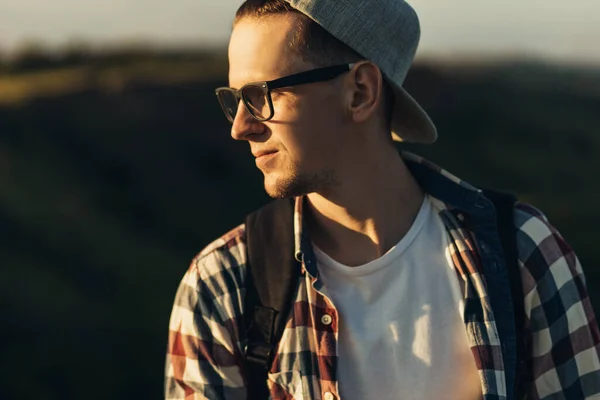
(258, 353)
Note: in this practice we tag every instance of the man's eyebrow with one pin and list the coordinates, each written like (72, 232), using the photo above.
(265, 78)
(246, 83)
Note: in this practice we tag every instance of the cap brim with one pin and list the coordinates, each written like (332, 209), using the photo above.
(410, 123)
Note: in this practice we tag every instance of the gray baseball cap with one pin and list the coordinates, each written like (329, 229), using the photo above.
(387, 33)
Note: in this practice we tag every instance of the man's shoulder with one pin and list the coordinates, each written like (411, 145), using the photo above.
(231, 240)
(534, 231)
(545, 256)
(226, 253)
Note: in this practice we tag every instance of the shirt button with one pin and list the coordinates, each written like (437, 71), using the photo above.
(326, 320)
(328, 396)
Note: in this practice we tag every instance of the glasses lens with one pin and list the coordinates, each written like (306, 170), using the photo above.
(229, 103)
(255, 97)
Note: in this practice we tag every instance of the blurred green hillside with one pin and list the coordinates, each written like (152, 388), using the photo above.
(117, 168)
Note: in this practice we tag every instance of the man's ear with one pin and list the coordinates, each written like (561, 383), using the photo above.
(365, 92)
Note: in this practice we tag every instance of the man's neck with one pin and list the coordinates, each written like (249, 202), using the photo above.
(368, 213)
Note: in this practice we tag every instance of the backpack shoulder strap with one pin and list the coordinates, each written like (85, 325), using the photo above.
(272, 277)
(505, 204)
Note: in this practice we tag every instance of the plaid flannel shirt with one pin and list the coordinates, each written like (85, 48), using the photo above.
(205, 358)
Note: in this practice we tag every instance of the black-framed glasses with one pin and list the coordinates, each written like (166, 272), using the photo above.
(256, 96)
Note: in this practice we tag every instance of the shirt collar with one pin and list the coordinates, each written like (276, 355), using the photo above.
(435, 181)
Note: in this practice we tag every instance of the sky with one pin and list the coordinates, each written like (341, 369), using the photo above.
(548, 29)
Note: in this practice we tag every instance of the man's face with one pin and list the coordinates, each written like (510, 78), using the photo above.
(302, 138)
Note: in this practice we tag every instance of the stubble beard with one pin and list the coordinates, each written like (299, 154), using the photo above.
(295, 183)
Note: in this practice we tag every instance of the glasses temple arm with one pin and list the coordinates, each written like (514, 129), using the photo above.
(316, 75)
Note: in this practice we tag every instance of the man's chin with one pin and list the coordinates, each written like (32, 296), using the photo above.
(277, 192)
(282, 188)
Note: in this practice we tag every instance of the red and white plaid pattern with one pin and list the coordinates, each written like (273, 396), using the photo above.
(205, 356)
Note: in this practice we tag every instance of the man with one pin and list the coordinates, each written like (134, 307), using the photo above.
(403, 291)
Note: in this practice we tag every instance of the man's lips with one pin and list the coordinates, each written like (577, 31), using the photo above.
(264, 158)
(263, 153)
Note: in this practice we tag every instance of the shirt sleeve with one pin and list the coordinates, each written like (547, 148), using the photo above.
(562, 329)
(204, 356)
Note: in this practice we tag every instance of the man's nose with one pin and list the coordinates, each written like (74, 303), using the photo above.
(244, 124)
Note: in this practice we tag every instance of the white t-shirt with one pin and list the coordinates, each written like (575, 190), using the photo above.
(401, 331)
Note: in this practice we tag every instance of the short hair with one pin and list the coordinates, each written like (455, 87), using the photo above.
(312, 42)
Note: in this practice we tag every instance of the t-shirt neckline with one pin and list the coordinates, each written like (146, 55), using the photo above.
(396, 251)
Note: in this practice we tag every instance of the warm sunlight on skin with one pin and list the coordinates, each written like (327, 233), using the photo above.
(304, 133)
(326, 140)
(258, 50)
